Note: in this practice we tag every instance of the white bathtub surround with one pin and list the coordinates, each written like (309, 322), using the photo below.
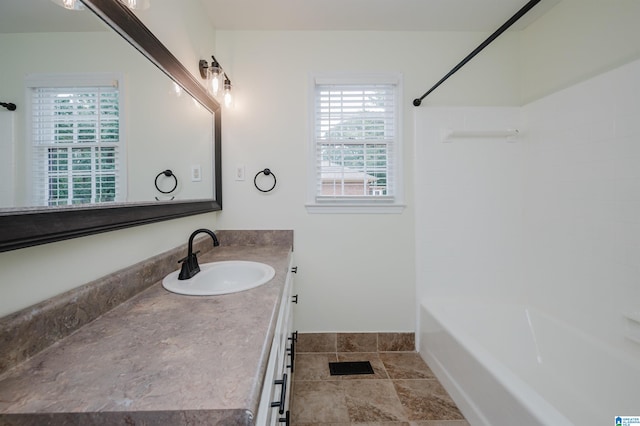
(511, 364)
(469, 203)
(633, 326)
(582, 204)
(550, 223)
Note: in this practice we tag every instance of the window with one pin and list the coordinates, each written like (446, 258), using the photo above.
(355, 145)
(76, 143)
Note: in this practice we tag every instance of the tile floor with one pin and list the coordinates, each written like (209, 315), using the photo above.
(402, 391)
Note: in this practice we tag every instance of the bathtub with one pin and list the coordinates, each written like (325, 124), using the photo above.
(512, 365)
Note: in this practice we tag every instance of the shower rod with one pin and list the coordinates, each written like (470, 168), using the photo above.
(527, 7)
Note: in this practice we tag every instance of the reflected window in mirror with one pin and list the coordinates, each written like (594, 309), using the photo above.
(74, 129)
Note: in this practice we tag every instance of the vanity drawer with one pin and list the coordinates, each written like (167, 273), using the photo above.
(274, 401)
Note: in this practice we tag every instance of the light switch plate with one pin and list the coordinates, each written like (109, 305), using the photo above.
(196, 173)
(239, 172)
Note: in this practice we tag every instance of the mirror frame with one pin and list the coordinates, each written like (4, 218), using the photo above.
(34, 226)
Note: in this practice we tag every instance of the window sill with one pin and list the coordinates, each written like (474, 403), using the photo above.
(355, 208)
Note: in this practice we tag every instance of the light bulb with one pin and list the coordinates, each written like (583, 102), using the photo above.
(215, 83)
(215, 74)
(228, 100)
(227, 92)
(177, 90)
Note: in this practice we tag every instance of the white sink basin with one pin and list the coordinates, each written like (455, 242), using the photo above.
(221, 278)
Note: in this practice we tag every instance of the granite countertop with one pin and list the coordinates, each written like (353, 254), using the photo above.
(158, 358)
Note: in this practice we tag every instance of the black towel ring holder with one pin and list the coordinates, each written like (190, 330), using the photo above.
(167, 173)
(266, 172)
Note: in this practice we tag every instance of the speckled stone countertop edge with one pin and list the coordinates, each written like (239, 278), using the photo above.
(20, 386)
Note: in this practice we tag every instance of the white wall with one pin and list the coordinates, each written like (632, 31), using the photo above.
(33, 274)
(577, 40)
(356, 272)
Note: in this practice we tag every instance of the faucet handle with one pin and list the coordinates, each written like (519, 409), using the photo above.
(190, 266)
(188, 257)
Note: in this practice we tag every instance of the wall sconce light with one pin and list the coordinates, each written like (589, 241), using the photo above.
(228, 100)
(217, 79)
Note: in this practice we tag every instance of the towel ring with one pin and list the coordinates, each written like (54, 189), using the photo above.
(167, 173)
(8, 105)
(266, 172)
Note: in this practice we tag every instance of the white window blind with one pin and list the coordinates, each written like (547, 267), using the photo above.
(355, 141)
(76, 144)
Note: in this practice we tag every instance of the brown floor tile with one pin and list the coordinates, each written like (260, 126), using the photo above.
(426, 400)
(372, 401)
(322, 424)
(319, 402)
(405, 365)
(357, 342)
(381, 424)
(316, 342)
(402, 391)
(314, 366)
(396, 342)
(379, 371)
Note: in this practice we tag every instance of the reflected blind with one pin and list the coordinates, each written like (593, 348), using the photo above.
(355, 132)
(76, 144)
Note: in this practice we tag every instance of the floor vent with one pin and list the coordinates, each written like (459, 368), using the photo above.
(351, 367)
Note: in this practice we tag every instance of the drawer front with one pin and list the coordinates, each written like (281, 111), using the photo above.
(275, 398)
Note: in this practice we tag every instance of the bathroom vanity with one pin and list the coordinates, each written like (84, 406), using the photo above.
(165, 358)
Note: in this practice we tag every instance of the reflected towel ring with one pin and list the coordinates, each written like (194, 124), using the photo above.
(266, 172)
(8, 105)
(167, 173)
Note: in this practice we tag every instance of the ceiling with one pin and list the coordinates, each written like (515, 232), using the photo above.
(375, 15)
(317, 15)
(32, 16)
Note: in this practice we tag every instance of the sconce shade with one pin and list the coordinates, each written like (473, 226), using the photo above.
(228, 100)
(203, 66)
(216, 79)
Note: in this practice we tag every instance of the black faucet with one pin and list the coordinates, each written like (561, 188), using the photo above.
(190, 265)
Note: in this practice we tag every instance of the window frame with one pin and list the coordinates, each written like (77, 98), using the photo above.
(71, 80)
(362, 204)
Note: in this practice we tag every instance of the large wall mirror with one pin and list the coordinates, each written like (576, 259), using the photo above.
(165, 121)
